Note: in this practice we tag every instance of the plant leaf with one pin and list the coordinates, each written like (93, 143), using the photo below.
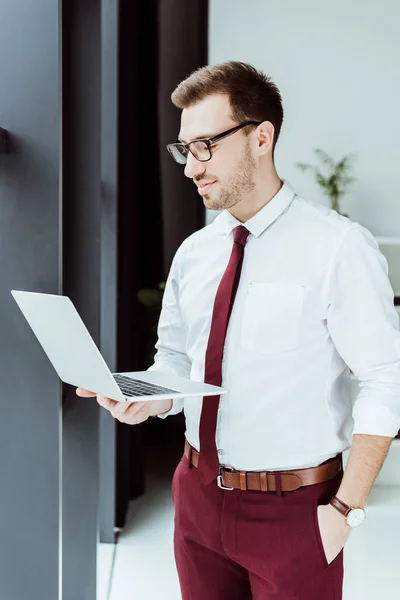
(303, 166)
(324, 156)
(336, 182)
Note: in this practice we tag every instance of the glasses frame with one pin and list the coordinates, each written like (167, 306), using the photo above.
(209, 142)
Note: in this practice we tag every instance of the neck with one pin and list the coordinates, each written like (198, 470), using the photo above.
(264, 192)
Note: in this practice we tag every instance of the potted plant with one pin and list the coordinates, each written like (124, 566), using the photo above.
(337, 180)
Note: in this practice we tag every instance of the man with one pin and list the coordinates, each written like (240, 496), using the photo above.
(276, 300)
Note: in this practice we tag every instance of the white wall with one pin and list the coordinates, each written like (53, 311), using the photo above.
(337, 65)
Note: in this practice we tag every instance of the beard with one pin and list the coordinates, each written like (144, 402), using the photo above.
(240, 186)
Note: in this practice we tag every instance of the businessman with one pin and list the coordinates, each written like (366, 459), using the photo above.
(277, 300)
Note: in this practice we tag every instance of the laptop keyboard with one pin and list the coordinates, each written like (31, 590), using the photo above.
(135, 387)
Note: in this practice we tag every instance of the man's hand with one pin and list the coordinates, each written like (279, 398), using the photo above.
(131, 413)
(333, 529)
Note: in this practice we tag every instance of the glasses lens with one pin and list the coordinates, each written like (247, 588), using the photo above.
(200, 150)
(178, 153)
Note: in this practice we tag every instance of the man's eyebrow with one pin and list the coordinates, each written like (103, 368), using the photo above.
(205, 136)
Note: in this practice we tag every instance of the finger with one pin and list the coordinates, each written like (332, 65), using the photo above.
(84, 393)
(124, 412)
(107, 402)
(141, 414)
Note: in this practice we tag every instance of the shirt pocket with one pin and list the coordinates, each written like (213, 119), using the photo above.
(271, 318)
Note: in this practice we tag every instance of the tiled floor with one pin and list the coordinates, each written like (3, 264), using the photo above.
(144, 567)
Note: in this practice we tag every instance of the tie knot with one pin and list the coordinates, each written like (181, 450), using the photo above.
(240, 235)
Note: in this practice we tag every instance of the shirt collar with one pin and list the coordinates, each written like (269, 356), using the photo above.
(226, 222)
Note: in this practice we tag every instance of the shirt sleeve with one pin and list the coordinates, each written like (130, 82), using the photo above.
(171, 354)
(364, 326)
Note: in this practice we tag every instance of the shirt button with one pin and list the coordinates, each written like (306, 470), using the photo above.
(221, 452)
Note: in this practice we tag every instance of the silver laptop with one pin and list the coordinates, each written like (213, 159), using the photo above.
(77, 360)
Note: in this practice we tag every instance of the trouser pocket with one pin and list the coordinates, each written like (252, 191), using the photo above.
(318, 538)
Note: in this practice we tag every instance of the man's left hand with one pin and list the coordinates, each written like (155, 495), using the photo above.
(333, 529)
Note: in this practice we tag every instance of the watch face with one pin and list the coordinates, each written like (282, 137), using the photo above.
(355, 517)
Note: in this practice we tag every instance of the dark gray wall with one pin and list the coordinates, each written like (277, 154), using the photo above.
(30, 423)
(183, 43)
(81, 218)
(49, 242)
(109, 254)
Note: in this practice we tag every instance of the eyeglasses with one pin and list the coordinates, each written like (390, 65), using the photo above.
(201, 149)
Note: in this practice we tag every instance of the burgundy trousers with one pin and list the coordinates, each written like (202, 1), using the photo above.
(250, 545)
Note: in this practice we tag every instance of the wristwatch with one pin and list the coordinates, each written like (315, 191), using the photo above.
(354, 516)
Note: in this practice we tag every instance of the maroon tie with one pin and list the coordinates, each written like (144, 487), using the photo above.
(224, 299)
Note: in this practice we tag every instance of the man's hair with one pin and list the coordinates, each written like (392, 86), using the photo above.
(253, 96)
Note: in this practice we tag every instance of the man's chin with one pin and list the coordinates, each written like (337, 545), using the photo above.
(211, 203)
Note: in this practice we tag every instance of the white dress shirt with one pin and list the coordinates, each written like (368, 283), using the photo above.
(314, 299)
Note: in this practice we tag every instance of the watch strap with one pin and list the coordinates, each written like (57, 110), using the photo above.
(343, 508)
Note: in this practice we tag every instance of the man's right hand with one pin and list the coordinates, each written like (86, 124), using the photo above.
(131, 413)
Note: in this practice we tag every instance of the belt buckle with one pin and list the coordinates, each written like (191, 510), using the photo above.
(219, 479)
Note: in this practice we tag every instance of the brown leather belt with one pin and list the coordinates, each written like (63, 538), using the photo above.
(266, 481)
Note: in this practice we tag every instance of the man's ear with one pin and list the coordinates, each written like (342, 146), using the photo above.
(265, 138)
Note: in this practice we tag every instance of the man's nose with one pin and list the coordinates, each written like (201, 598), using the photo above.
(193, 166)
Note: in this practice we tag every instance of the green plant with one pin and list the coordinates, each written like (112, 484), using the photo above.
(337, 181)
(151, 299)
